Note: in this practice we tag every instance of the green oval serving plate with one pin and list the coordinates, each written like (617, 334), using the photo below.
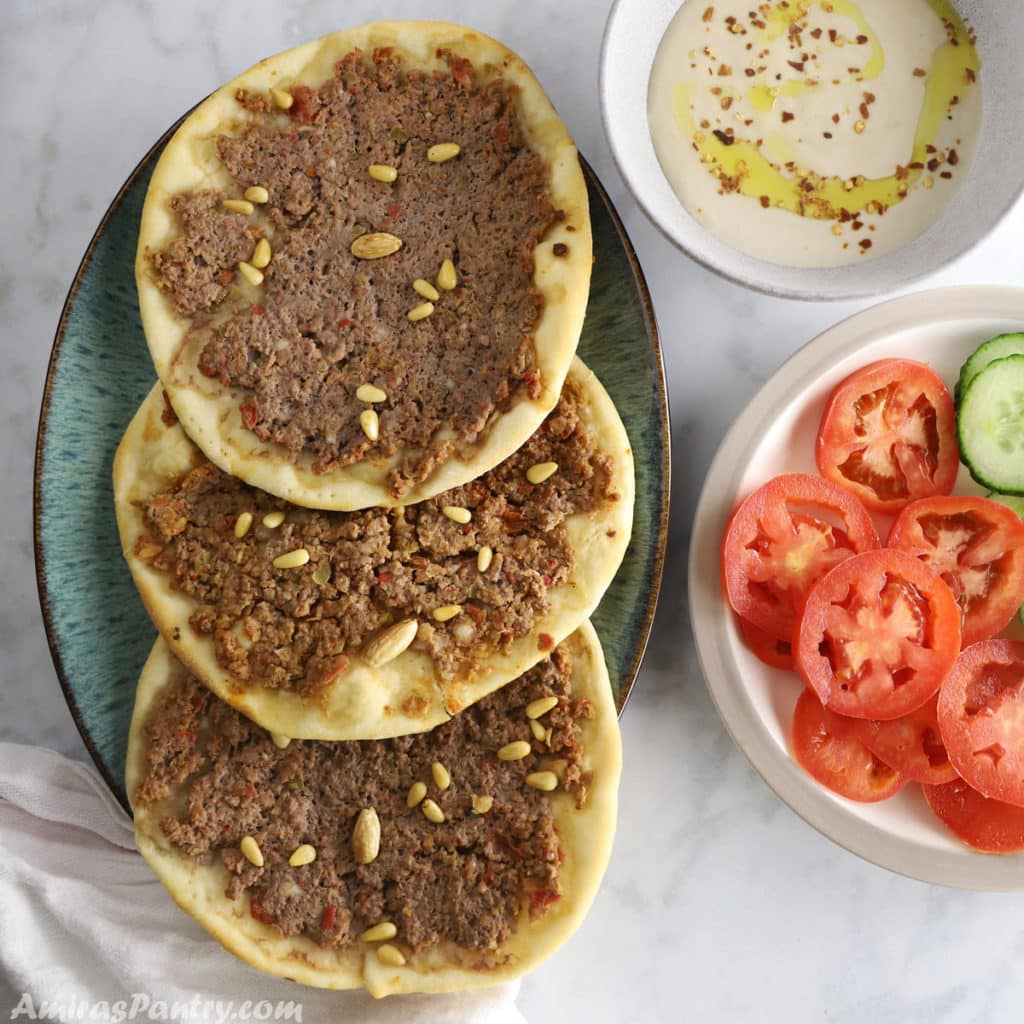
(98, 630)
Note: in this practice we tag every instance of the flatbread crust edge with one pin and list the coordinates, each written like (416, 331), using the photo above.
(210, 411)
(405, 695)
(585, 836)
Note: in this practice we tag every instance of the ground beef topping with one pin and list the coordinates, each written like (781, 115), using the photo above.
(463, 880)
(295, 628)
(326, 322)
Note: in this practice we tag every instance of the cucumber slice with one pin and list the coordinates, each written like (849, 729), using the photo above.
(1014, 502)
(990, 426)
(996, 348)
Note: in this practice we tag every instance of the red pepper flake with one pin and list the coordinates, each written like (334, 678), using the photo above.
(919, 72)
(337, 670)
(971, 76)
(256, 309)
(815, 33)
(545, 642)
(226, 276)
(345, 322)
(328, 919)
(709, 13)
(749, 72)
(546, 580)
(560, 249)
(540, 900)
(797, 65)
(835, 119)
(383, 577)
(865, 111)
(953, 157)
(865, 244)
(946, 174)
(861, 40)
(396, 211)
(787, 116)
(832, 35)
(250, 414)
(249, 791)
(766, 202)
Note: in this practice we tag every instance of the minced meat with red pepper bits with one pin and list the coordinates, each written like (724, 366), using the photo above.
(356, 573)
(326, 321)
(461, 880)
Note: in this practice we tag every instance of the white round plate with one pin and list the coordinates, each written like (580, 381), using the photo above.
(775, 434)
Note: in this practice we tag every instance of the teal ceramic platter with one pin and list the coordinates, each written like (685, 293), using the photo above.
(100, 371)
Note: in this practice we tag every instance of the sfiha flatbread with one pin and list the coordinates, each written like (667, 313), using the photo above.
(448, 860)
(363, 265)
(378, 622)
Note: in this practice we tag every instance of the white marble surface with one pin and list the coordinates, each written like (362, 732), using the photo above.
(720, 905)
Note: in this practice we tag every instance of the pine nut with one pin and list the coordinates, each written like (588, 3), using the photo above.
(390, 643)
(514, 751)
(541, 706)
(441, 777)
(382, 172)
(457, 514)
(375, 245)
(484, 557)
(257, 194)
(242, 524)
(280, 740)
(366, 836)
(250, 273)
(537, 729)
(390, 955)
(370, 422)
(322, 574)
(272, 520)
(292, 559)
(238, 205)
(369, 393)
(432, 812)
(546, 781)
(261, 254)
(447, 279)
(420, 312)
(540, 471)
(446, 612)
(282, 99)
(304, 855)
(417, 791)
(426, 289)
(383, 930)
(443, 151)
(482, 804)
(251, 851)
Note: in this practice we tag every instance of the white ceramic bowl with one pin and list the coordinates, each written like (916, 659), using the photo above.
(775, 434)
(994, 181)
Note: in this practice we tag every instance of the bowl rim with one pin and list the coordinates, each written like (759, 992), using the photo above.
(806, 798)
(823, 284)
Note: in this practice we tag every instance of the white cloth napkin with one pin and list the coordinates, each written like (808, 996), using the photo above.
(86, 927)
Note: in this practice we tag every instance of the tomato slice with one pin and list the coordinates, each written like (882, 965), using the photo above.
(977, 547)
(781, 540)
(776, 653)
(827, 747)
(912, 745)
(988, 825)
(888, 434)
(877, 635)
(981, 717)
